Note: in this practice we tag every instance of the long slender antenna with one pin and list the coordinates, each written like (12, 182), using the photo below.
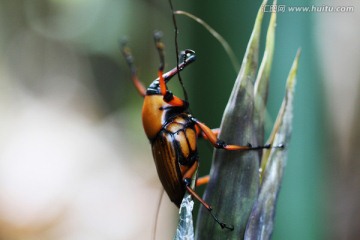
(177, 49)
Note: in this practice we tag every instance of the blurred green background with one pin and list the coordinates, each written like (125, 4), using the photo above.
(63, 58)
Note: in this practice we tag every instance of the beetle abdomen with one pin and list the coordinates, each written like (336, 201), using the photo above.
(174, 151)
(167, 168)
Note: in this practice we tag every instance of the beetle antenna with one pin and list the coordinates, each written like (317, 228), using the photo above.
(177, 49)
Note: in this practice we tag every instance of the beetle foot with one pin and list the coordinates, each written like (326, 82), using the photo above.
(222, 224)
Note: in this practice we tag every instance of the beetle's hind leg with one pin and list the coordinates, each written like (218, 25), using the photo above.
(187, 180)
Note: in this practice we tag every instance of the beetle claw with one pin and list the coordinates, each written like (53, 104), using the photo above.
(222, 224)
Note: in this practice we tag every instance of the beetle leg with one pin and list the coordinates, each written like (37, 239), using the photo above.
(130, 61)
(212, 138)
(160, 48)
(202, 180)
(187, 180)
(209, 208)
(167, 95)
(215, 131)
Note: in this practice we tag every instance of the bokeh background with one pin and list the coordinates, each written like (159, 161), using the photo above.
(74, 161)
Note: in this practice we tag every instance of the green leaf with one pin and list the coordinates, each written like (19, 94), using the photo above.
(240, 195)
(262, 80)
(261, 221)
(234, 174)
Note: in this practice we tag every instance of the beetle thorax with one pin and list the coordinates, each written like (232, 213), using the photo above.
(154, 114)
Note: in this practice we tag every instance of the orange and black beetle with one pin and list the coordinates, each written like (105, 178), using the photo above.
(173, 131)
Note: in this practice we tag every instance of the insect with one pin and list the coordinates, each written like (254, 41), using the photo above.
(173, 132)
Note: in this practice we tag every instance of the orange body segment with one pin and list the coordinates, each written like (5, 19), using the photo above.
(184, 146)
(191, 136)
(152, 115)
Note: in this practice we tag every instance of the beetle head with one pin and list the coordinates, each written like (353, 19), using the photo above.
(186, 57)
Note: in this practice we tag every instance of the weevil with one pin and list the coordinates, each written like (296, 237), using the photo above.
(173, 132)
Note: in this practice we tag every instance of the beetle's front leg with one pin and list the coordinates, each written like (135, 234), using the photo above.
(187, 177)
(130, 61)
(168, 96)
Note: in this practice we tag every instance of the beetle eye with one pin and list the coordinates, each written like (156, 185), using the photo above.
(189, 52)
